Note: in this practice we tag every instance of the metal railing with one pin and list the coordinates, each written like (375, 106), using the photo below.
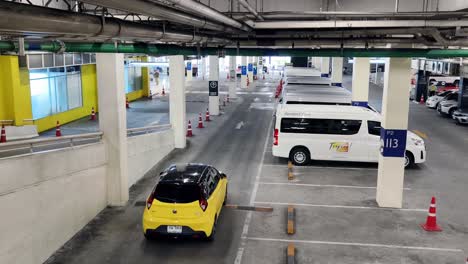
(147, 129)
(43, 144)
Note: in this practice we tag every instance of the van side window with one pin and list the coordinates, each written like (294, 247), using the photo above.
(373, 127)
(320, 126)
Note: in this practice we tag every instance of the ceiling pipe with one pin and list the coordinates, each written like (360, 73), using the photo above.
(30, 20)
(247, 6)
(161, 12)
(346, 24)
(160, 50)
(212, 14)
(345, 14)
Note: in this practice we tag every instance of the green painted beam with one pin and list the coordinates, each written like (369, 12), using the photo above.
(163, 49)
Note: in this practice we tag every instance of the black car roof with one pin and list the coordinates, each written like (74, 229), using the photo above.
(183, 173)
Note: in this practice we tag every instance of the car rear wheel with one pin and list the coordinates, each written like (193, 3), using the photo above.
(299, 156)
(148, 236)
(409, 159)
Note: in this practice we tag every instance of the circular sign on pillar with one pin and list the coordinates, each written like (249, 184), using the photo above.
(213, 88)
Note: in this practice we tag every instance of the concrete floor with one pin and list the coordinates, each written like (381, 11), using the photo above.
(337, 217)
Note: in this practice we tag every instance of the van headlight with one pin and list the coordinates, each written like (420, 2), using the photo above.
(417, 142)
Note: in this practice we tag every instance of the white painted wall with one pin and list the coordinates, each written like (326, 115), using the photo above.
(42, 200)
(147, 150)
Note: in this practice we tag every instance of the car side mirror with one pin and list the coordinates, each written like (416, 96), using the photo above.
(223, 175)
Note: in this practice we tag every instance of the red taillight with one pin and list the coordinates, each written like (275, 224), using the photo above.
(275, 137)
(149, 201)
(203, 204)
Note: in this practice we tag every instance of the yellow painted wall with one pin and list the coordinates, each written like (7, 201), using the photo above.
(89, 93)
(145, 83)
(15, 96)
(7, 82)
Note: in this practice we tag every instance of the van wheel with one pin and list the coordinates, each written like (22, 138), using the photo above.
(409, 159)
(299, 156)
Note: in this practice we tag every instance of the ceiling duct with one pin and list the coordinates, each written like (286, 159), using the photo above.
(247, 6)
(161, 12)
(212, 14)
(33, 20)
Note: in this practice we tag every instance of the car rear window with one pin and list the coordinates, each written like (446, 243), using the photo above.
(177, 193)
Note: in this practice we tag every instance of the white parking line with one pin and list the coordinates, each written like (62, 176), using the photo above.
(323, 185)
(344, 206)
(318, 167)
(318, 242)
(248, 218)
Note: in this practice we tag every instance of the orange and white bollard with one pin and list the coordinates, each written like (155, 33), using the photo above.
(93, 115)
(227, 76)
(3, 135)
(127, 104)
(227, 98)
(200, 121)
(224, 102)
(58, 131)
(207, 115)
(431, 221)
(422, 99)
(189, 129)
(163, 91)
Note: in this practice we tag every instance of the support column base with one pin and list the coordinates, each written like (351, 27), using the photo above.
(390, 179)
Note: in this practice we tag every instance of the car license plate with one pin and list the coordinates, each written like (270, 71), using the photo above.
(174, 229)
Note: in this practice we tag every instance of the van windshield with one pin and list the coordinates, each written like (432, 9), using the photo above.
(177, 193)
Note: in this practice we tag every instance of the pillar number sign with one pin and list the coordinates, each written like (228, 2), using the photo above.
(189, 66)
(250, 67)
(244, 70)
(393, 142)
(213, 88)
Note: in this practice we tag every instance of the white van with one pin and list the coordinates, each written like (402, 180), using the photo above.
(338, 132)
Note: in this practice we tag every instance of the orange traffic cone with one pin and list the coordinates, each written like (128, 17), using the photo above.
(227, 98)
(163, 91)
(422, 99)
(127, 104)
(227, 76)
(263, 76)
(189, 129)
(150, 95)
(248, 82)
(431, 221)
(3, 135)
(58, 132)
(200, 121)
(224, 101)
(207, 115)
(93, 115)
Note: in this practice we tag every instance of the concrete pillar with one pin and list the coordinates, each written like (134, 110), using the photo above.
(243, 72)
(189, 71)
(393, 133)
(177, 114)
(360, 84)
(337, 71)
(325, 67)
(213, 86)
(113, 122)
(233, 81)
(256, 68)
(202, 69)
(318, 63)
(250, 69)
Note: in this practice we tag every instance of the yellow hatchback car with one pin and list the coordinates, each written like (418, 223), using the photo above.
(186, 201)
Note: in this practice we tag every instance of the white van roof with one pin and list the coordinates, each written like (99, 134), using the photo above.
(328, 111)
(318, 97)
